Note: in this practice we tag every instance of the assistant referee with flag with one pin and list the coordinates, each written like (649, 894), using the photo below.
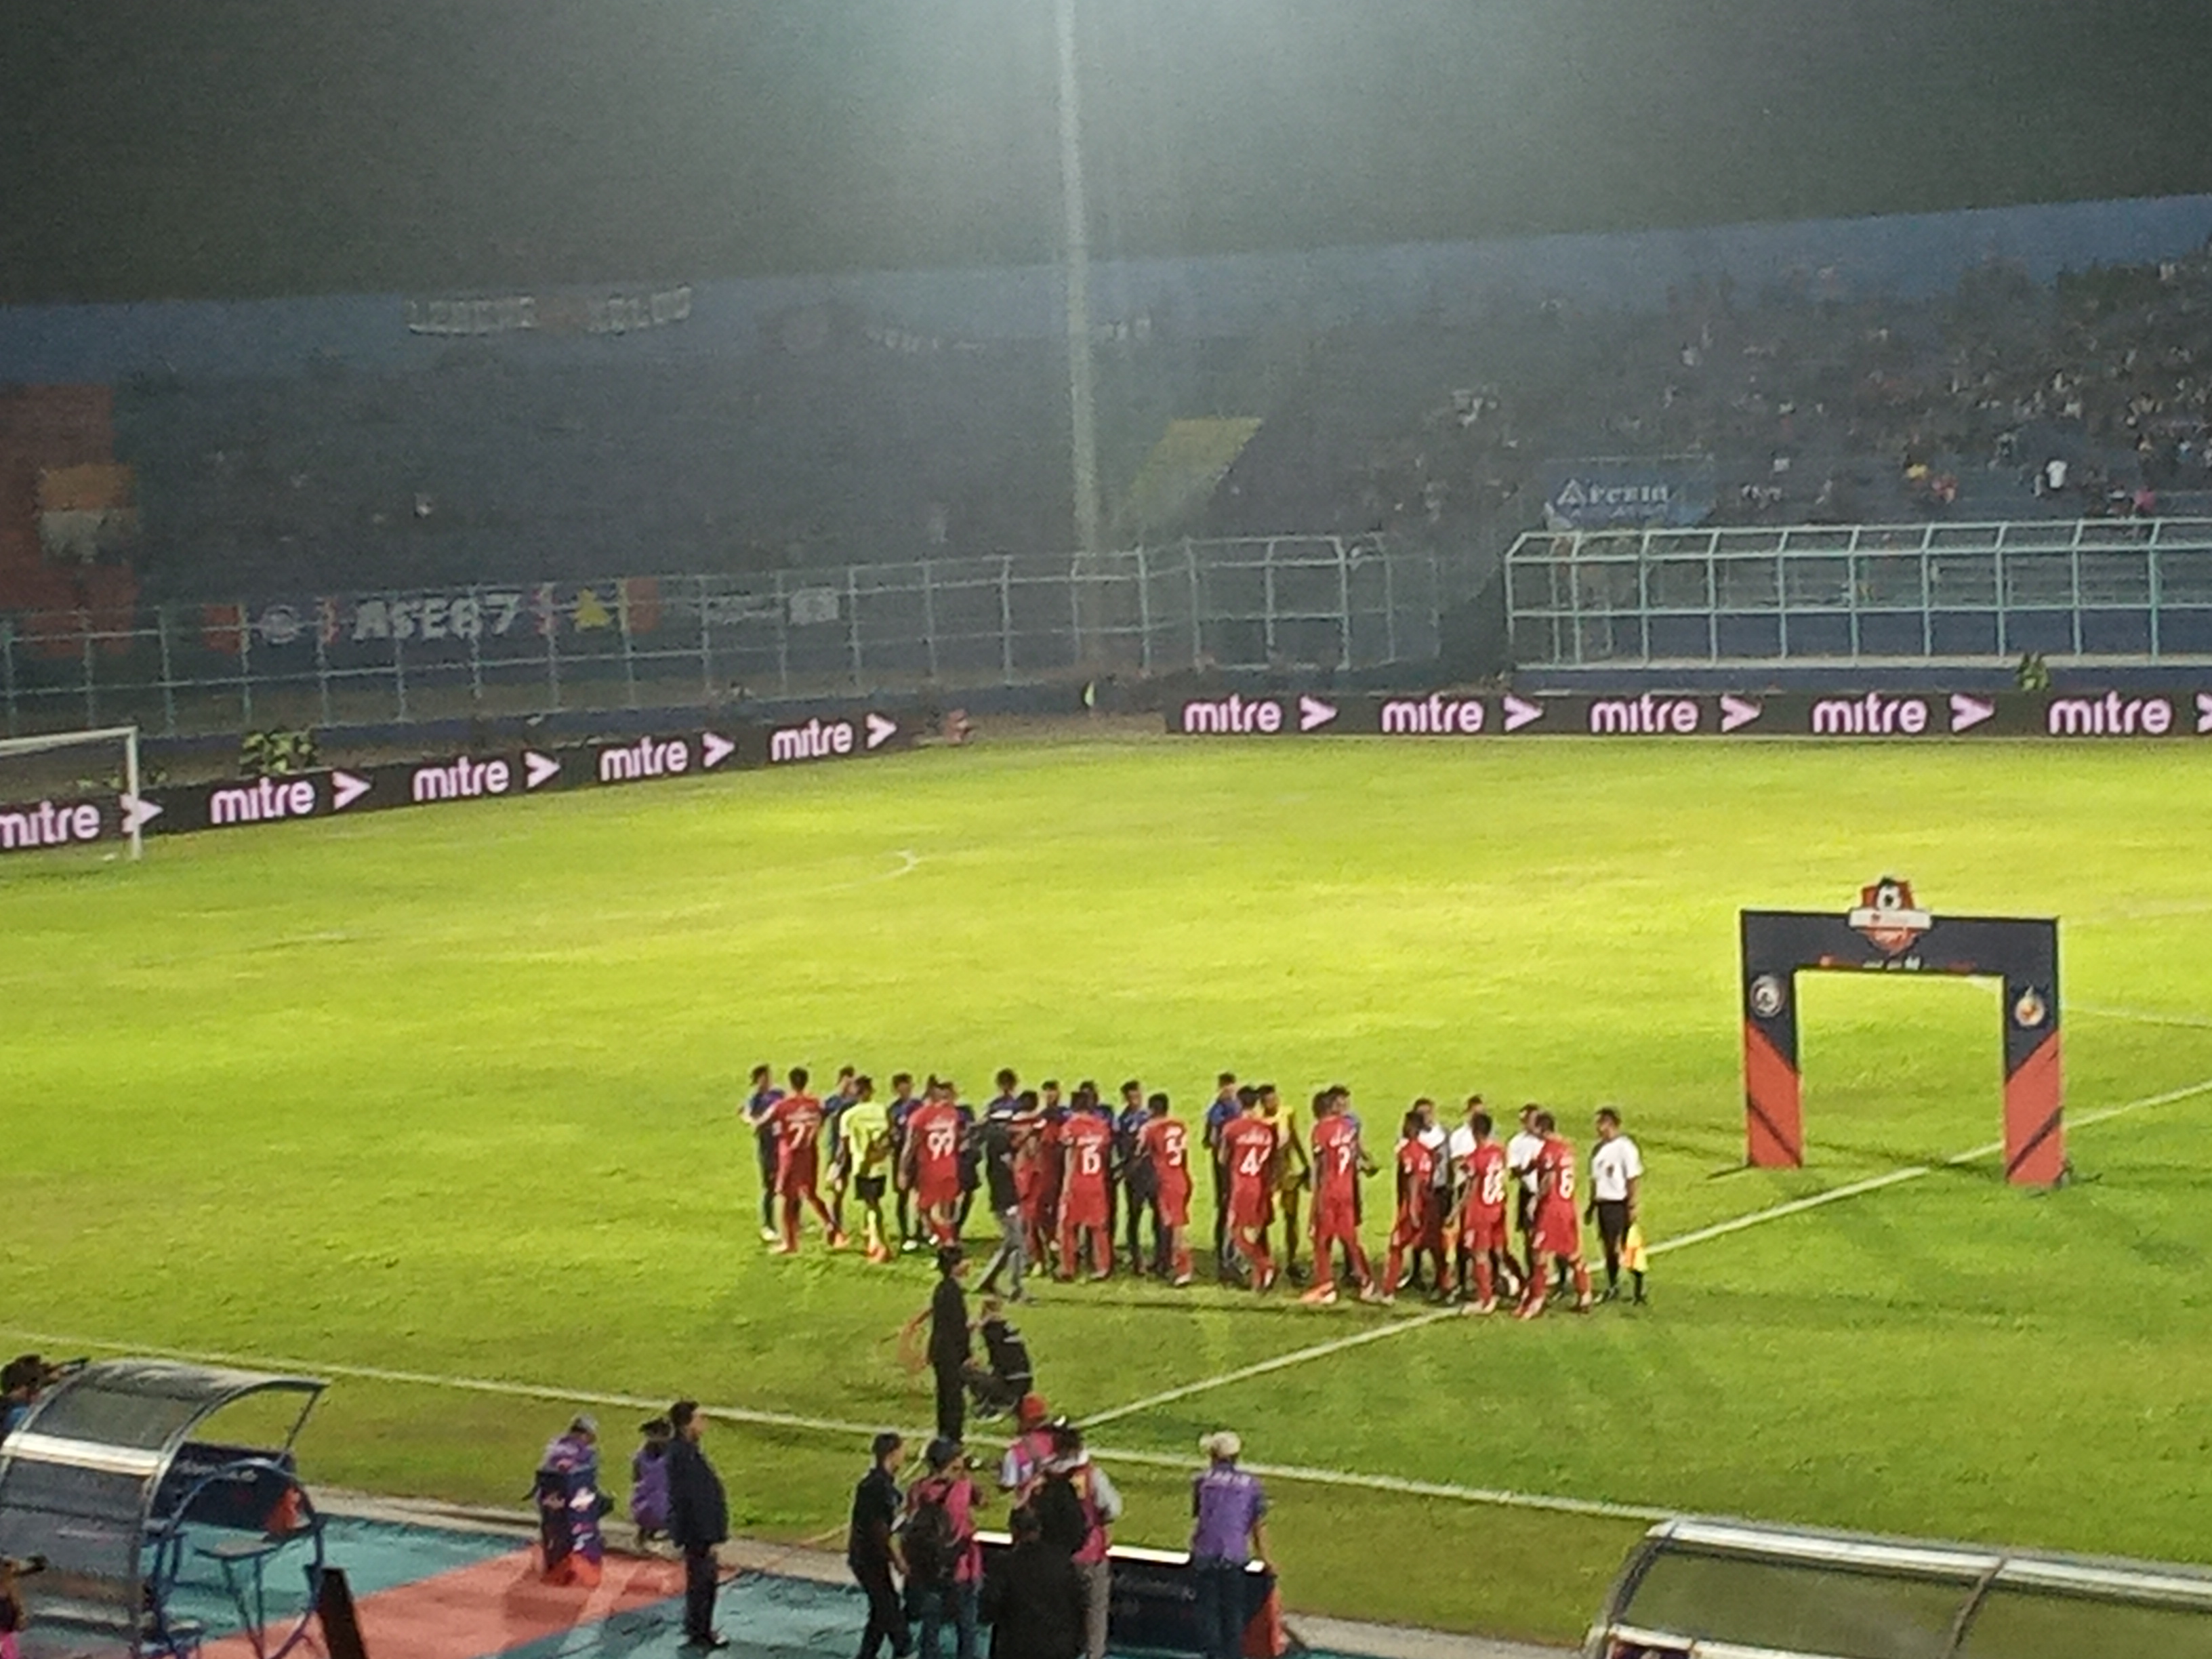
(1616, 1193)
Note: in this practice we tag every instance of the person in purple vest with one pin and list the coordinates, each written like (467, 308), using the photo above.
(569, 1505)
(1230, 1532)
(648, 1482)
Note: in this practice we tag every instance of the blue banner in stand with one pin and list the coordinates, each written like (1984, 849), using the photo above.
(1873, 714)
(241, 803)
(1627, 494)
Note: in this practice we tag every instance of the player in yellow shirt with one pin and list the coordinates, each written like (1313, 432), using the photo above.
(1293, 1169)
(866, 1129)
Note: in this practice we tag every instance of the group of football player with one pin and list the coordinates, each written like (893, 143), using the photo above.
(1072, 1181)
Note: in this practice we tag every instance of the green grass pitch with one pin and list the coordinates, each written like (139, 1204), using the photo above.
(454, 1093)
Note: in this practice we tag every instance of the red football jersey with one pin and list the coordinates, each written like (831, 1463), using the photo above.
(1336, 1161)
(1247, 1147)
(1086, 1146)
(1167, 1144)
(1559, 1230)
(933, 1138)
(798, 1121)
(1486, 1183)
(1417, 1170)
(1555, 1174)
(1556, 1169)
(1051, 1157)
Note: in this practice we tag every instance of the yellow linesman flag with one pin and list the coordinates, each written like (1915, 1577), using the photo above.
(1634, 1254)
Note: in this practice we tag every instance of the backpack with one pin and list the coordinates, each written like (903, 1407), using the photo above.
(1061, 1515)
(933, 1543)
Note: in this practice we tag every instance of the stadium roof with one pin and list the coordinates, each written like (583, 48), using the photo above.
(279, 147)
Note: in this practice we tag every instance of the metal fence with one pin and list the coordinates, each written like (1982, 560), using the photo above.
(1281, 602)
(2137, 590)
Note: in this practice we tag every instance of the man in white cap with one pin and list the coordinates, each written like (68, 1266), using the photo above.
(1230, 1532)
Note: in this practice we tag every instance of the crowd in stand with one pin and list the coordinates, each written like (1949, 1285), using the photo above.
(1076, 1186)
(2005, 397)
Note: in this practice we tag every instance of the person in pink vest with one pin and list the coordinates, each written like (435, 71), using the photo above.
(1031, 1448)
(944, 1561)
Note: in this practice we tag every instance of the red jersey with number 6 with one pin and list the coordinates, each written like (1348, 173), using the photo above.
(933, 1138)
(1086, 1144)
(1247, 1147)
(1167, 1144)
(1559, 1224)
(1482, 1212)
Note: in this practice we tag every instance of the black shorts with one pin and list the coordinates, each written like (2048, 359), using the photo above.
(1613, 1223)
(1524, 1209)
(869, 1189)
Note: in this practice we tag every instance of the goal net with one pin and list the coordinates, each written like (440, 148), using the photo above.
(70, 789)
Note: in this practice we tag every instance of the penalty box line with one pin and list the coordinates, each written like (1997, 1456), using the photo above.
(843, 1430)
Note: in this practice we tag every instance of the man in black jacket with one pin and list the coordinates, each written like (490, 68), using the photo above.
(1032, 1599)
(871, 1554)
(698, 1520)
(951, 1342)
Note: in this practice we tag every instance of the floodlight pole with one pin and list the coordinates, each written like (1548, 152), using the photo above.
(1083, 423)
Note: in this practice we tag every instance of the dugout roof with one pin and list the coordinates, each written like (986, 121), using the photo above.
(81, 1480)
(1716, 1590)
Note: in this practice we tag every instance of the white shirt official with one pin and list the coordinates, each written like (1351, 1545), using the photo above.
(1434, 1139)
(1461, 1146)
(1520, 1154)
(1613, 1164)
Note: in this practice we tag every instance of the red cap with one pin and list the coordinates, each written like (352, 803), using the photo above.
(1032, 1411)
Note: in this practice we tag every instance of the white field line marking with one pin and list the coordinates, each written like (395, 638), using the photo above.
(2194, 1022)
(909, 861)
(53, 1341)
(434, 1380)
(1280, 1362)
(1521, 1500)
(1795, 1206)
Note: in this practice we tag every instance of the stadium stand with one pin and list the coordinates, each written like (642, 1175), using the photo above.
(363, 443)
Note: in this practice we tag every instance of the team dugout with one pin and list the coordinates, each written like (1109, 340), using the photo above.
(1708, 1590)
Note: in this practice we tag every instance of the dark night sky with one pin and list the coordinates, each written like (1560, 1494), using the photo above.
(150, 148)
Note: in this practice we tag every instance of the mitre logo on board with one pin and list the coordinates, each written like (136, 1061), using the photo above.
(1888, 917)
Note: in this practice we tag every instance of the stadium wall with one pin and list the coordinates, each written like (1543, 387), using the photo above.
(1909, 255)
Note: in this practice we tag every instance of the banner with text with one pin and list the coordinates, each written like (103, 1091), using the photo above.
(1628, 495)
(1774, 714)
(234, 803)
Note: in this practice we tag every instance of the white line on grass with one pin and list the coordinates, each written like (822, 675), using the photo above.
(2142, 1017)
(1280, 1362)
(52, 1340)
(1391, 1483)
(909, 861)
(1795, 1206)
(435, 1380)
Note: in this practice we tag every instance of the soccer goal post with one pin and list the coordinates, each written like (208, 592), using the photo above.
(48, 826)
